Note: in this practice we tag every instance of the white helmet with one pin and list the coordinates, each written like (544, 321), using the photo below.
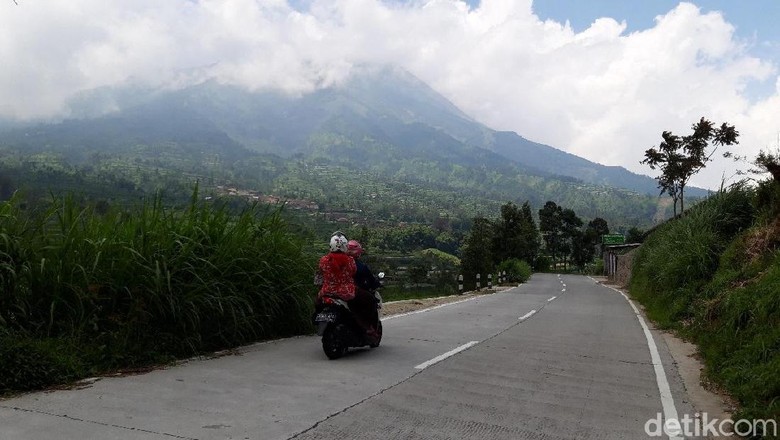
(338, 242)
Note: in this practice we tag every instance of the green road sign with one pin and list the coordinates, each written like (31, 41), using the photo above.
(613, 239)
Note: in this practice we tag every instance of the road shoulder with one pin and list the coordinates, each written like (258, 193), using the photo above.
(704, 396)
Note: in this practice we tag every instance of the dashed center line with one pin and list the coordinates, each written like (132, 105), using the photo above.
(440, 358)
(527, 315)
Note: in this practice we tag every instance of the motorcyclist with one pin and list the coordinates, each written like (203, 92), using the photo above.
(364, 304)
(337, 270)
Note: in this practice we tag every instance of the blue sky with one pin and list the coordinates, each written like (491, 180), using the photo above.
(603, 87)
(750, 17)
(755, 21)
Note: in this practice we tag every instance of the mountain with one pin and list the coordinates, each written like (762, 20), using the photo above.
(383, 123)
(374, 104)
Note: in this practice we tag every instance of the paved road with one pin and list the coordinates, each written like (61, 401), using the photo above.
(558, 357)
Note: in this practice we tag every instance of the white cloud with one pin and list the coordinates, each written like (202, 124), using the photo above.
(603, 94)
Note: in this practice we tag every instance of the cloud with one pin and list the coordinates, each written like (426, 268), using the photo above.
(602, 93)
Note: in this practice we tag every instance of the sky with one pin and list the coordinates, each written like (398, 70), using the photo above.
(601, 79)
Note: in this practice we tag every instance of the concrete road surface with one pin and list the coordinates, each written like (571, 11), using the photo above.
(560, 357)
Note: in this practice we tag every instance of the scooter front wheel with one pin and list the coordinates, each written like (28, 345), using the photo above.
(333, 343)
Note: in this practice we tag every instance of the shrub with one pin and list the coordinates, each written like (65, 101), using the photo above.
(542, 264)
(29, 364)
(767, 200)
(517, 271)
(597, 268)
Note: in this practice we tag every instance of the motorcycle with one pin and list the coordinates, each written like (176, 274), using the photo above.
(340, 330)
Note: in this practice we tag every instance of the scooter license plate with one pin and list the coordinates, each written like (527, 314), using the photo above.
(325, 317)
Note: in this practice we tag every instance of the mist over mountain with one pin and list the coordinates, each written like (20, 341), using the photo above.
(377, 105)
(385, 104)
(382, 120)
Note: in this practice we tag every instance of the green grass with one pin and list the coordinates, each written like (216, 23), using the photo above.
(140, 286)
(713, 275)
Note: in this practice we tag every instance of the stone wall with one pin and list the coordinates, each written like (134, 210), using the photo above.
(618, 261)
(624, 264)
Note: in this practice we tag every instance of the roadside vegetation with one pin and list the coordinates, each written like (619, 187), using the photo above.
(713, 276)
(88, 289)
(100, 271)
(83, 293)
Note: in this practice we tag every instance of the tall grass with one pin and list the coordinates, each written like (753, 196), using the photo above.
(714, 276)
(132, 287)
(682, 255)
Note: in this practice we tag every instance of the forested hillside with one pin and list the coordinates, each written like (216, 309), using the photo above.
(384, 128)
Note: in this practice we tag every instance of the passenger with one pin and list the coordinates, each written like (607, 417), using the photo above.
(364, 304)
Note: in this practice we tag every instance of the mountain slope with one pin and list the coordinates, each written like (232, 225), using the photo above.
(384, 123)
(374, 104)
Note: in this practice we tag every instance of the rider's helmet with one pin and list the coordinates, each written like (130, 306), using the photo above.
(338, 242)
(354, 248)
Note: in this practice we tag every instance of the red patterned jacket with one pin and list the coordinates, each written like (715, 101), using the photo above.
(338, 275)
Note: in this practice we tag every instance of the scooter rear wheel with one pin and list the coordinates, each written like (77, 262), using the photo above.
(333, 343)
(379, 332)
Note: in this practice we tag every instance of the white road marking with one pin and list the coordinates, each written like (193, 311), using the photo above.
(527, 315)
(552, 298)
(440, 358)
(667, 400)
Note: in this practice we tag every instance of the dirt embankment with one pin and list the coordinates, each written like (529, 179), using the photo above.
(411, 305)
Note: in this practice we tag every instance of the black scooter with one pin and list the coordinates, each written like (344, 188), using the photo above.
(339, 329)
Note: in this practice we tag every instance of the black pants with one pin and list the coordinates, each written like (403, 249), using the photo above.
(363, 307)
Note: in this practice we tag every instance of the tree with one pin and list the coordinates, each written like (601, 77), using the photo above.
(550, 225)
(635, 235)
(590, 241)
(572, 237)
(476, 257)
(768, 162)
(599, 227)
(529, 235)
(515, 234)
(680, 157)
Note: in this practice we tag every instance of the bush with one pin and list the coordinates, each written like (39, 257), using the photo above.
(767, 200)
(597, 268)
(542, 264)
(30, 364)
(517, 271)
